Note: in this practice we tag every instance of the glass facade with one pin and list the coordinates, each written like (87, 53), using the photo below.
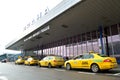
(83, 43)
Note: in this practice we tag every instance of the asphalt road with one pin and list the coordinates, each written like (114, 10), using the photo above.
(10, 71)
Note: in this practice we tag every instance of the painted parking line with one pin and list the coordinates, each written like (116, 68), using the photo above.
(117, 74)
(3, 78)
(59, 70)
(87, 73)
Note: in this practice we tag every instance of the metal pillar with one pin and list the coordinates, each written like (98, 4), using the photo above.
(106, 38)
(101, 40)
(41, 51)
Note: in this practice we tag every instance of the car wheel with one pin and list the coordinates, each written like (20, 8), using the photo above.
(68, 66)
(29, 64)
(60, 66)
(94, 68)
(49, 65)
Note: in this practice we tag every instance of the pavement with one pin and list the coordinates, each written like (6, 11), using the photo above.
(114, 70)
(118, 68)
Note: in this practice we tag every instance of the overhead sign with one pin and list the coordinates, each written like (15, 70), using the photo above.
(37, 33)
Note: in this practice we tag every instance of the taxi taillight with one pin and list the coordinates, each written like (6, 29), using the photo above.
(107, 60)
(54, 61)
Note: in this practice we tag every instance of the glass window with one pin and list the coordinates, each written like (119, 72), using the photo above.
(88, 36)
(94, 35)
(114, 29)
(107, 29)
(75, 49)
(88, 56)
(79, 57)
(80, 48)
(46, 58)
(79, 38)
(29, 59)
(119, 28)
(91, 56)
(83, 37)
(50, 58)
(85, 57)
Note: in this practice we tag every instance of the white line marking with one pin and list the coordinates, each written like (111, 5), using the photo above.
(59, 70)
(117, 74)
(87, 73)
(3, 78)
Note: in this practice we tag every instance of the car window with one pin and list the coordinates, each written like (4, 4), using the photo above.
(79, 57)
(25, 58)
(91, 56)
(29, 59)
(19, 59)
(50, 58)
(88, 56)
(46, 58)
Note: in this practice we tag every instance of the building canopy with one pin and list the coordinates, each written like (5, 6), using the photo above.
(69, 18)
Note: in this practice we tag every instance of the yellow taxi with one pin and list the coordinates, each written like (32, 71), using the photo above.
(19, 61)
(31, 61)
(51, 61)
(93, 61)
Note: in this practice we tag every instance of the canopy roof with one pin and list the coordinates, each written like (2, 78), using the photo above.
(70, 17)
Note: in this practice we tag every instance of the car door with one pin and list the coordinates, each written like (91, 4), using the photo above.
(86, 61)
(76, 63)
(44, 61)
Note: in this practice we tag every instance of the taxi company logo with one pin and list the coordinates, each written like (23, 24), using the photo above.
(85, 62)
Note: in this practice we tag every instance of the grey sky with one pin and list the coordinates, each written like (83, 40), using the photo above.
(16, 14)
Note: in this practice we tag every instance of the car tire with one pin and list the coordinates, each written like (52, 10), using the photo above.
(95, 68)
(29, 64)
(49, 65)
(68, 66)
(60, 66)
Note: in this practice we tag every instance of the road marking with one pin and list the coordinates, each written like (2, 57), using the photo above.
(87, 73)
(59, 70)
(116, 74)
(3, 78)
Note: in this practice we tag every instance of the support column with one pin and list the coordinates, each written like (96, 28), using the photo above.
(106, 38)
(41, 51)
(101, 40)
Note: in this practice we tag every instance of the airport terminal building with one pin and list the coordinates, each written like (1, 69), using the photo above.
(74, 27)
